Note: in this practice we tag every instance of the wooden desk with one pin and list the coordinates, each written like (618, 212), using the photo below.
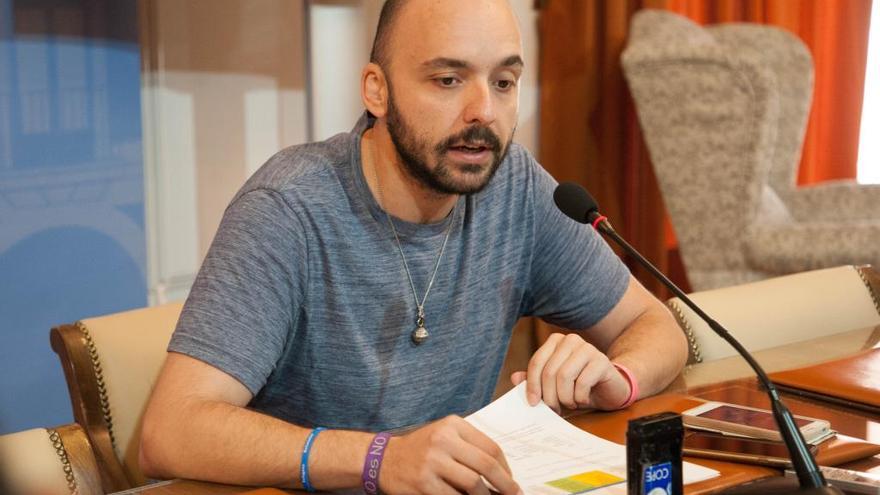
(847, 422)
(727, 380)
(612, 426)
(609, 425)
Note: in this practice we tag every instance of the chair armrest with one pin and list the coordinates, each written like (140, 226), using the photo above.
(809, 246)
(84, 387)
(82, 459)
(835, 201)
(49, 460)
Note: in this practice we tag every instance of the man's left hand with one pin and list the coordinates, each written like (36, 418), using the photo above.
(569, 372)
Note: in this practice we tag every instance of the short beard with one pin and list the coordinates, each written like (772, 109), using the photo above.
(414, 154)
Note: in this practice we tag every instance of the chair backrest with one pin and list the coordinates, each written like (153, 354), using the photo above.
(710, 108)
(110, 364)
(49, 461)
(781, 310)
(791, 64)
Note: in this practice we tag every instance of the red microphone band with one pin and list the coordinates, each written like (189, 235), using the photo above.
(598, 220)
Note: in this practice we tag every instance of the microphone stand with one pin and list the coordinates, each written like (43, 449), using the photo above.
(809, 476)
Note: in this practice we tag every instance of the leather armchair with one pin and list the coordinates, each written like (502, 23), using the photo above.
(110, 364)
(781, 310)
(49, 460)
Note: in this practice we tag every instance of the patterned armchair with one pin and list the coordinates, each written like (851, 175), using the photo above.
(723, 110)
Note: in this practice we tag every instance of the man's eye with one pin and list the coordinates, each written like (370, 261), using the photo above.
(447, 81)
(505, 84)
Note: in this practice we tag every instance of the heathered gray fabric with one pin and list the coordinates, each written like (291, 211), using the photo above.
(303, 297)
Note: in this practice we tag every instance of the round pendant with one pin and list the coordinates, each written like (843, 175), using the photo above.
(419, 335)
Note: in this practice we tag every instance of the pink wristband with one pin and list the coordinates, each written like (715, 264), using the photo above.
(633, 385)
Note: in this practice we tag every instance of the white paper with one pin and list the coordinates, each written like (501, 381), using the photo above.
(541, 447)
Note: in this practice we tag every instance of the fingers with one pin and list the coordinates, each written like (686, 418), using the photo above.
(586, 381)
(459, 479)
(555, 367)
(517, 377)
(441, 486)
(470, 434)
(465, 476)
(484, 459)
(474, 456)
(534, 392)
(570, 372)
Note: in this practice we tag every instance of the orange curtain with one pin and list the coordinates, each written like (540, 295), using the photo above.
(589, 131)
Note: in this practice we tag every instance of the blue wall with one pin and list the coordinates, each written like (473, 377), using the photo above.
(72, 241)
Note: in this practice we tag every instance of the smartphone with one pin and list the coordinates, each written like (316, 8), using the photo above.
(737, 449)
(733, 419)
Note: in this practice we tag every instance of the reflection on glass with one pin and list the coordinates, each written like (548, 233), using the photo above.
(71, 187)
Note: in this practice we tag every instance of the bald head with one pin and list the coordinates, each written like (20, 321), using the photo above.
(391, 14)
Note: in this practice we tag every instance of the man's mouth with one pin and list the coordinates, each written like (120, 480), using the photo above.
(470, 148)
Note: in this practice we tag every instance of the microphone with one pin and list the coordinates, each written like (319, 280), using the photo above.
(579, 205)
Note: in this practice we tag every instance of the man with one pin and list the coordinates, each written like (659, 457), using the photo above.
(370, 282)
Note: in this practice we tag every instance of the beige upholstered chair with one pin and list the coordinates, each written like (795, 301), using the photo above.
(723, 110)
(782, 310)
(54, 461)
(110, 364)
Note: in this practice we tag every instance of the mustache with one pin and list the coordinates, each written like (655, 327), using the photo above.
(474, 134)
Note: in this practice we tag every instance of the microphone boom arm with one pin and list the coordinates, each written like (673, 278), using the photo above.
(808, 472)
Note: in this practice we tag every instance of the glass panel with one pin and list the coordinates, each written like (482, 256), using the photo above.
(225, 89)
(71, 187)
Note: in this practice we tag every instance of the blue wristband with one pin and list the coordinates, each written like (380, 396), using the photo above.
(304, 461)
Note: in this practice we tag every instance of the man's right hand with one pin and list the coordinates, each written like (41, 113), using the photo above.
(447, 456)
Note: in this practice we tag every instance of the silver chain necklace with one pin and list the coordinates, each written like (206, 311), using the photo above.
(420, 334)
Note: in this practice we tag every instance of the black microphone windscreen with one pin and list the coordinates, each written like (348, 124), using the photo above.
(573, 200)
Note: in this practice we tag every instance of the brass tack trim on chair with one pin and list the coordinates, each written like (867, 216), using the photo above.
(99, 375)
(874, 296)
(688, 331)
(55, 438)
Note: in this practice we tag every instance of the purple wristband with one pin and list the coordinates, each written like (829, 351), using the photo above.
(373, 462)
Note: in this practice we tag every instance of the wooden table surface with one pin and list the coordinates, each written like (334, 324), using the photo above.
(725, 380)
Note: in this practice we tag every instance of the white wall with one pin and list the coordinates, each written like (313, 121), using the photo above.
(340, 33)
(529, 116)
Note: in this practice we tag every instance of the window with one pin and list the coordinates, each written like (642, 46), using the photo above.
(869, 145)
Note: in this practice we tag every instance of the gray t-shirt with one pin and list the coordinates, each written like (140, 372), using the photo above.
(303, 296)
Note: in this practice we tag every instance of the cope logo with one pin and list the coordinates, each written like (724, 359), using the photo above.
(658, 479)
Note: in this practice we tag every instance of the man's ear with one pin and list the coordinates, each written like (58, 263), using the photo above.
(374, 90)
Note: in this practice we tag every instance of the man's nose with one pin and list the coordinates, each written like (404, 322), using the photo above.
(480, 107)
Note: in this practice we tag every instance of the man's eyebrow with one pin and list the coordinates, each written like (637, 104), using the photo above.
(512, 61)
(445, 63)
(454, 63)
